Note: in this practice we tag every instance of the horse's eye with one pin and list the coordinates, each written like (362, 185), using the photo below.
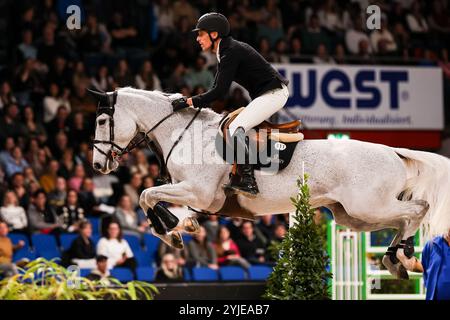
(101, 122)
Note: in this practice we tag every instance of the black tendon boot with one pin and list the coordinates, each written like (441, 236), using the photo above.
(246, 185)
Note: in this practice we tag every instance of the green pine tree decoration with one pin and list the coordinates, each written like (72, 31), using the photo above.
(301, 269)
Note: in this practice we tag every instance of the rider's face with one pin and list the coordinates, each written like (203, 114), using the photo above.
(204, 40)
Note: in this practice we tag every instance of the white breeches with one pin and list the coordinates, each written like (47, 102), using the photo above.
(260, 109)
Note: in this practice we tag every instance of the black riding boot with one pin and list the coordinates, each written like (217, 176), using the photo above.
(247, 183)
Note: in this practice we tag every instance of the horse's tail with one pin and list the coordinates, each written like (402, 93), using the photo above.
(428, 178)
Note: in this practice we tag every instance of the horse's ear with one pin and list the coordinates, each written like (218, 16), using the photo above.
(102, 97)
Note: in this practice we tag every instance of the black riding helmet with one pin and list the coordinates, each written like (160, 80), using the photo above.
(211, 22)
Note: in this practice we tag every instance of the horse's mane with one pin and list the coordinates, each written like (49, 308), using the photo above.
(156, 96)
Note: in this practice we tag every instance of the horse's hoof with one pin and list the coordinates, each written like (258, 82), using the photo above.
(191, 225)
(397, 269)
(176, 240)
(172, 238)
(402, 273)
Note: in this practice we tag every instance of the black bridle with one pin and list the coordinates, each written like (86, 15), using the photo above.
(109, 109)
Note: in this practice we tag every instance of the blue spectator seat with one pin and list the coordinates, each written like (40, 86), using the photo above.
(204, 274)
(259, 273)
(95, 222)
(232, 273)
(24, 253)
(145, 274)
(50, 254)
(67, 239)
(134, 242)
(151, 244)
(95, 238)
(122, 274)
(44, 242)
(143, 258)
(16, 237)
(187, 274)
(85, 272)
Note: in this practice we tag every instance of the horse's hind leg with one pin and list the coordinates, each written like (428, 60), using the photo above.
(389, 260)
(405, 252)
(403, 215)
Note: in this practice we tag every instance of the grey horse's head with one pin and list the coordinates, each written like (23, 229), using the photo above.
(114, 129)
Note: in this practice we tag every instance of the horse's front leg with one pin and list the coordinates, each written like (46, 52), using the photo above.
(165, 224)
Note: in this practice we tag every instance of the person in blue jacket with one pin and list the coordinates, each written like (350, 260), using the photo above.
(436, 268)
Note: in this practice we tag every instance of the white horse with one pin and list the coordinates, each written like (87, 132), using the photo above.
(367, 186)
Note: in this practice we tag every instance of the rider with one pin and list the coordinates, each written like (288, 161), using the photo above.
(241, 63)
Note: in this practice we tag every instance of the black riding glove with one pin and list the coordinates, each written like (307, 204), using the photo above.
(179, 104)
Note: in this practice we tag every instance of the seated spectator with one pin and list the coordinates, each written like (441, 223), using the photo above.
(280, 55)
(180, 255)
(7, 267)
(86, 197)
(26, 49)
(330, 18)
(59, 124)
(40, 217)
(201, 251)
(82, 249)
(123, 34)
(102, 81)
(227, 250)
(416, 21)
(15, 162)
(439, 22)
(94, 36)
(147, 79)
(122, 74)
(13, 214)
(19, 188)
(53, 101)
(279, 232)
(48, 180)
(117, 249)
(133, 189)
(82, 101)
(128, 218)
(141, 164)
(271, 29)
(31, 128)
(199, 75)
(212, 227)
(79, 130)
(266, 227)
(382, 40)
(354, 36)
(77, 178)
(322, 56)
(7, 149)
(6, 95)
(101, 272)
(67, 164)
(250, 246)
(71, 214)
(10, 123)
(234, 226)
(313, 35)
(170, 270)
(264, 49)
(339, 56)
(57, 198)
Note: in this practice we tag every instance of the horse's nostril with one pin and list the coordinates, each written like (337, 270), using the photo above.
(97, 166)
